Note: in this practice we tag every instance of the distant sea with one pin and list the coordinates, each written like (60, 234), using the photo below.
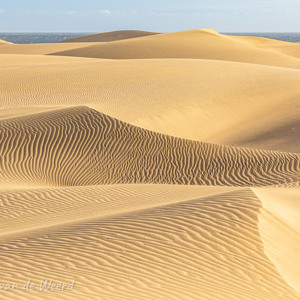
(51, 37)
(38, 37)
(293, 37)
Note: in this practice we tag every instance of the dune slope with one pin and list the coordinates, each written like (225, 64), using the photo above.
(280, 230)
(203, 100)
(80, 146)
(74, 43)
(4, 42)
(109, 36)
(208, 247)
(204, 44)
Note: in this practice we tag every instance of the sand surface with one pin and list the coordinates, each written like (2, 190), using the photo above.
(204, 44)
(150, 166)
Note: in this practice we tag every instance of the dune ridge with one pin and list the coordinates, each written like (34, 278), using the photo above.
(187, 249)
(109, 36)
(179, 97)
(80, 146)
(280, 230)
(31, 210)
(200, 44)
(4, 42)
(192, 44)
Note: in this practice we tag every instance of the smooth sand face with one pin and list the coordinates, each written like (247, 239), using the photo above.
(183, 98)
(280, 229)
(203, 44)
(168, 172)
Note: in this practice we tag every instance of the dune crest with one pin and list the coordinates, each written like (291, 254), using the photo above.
(196, 44)
(179, 97)
(4, 42)
(80, 146)
(109, 36)
(208, 30)
(200, 44)
(280, 230)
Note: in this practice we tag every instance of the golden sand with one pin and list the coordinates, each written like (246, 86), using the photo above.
(150, 166)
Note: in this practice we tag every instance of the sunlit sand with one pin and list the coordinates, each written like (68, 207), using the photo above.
(142, 165)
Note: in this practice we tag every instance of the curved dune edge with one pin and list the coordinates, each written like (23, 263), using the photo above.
(175, 97)
(200, 44)
(109, 36)
(80, 146)
(201, 242)
(9, 113)
(280, 230)
(28, 211)
(4, 42)
(196, 44)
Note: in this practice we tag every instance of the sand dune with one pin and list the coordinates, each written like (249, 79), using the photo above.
(169, 172)
(175, 97)
(4, 42)
(38, 49)
(109, 36)
(280, 230)
(260, 41)
(80, 146)
(277, 131)
(291, 49)
(74, 43)
(185, 249)
(196, 44)
(203, 44)
(33, 210)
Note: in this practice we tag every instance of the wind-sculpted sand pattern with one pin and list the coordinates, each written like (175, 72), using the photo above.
(35, 209)
(80, 146)
(183, 250)
(170, 178)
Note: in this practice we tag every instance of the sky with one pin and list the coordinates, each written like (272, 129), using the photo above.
(150, 15)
